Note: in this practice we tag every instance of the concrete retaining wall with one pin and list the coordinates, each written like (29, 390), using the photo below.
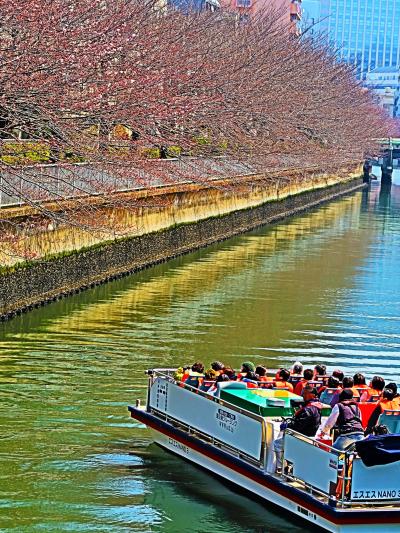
(47, 280)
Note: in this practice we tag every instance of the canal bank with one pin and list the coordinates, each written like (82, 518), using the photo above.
(187, 219)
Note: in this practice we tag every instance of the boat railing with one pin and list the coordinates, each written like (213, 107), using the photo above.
(338, 477)
(167, 374)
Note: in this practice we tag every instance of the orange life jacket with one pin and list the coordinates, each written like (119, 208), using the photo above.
(369, 393)
(390, 405)
(300, 386)
(284, 385)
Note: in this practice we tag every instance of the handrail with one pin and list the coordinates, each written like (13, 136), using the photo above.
(344, 477)
(156, 372)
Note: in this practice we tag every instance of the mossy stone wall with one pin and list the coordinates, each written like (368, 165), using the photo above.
(47, 280)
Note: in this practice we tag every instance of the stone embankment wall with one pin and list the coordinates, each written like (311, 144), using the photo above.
(49, 279)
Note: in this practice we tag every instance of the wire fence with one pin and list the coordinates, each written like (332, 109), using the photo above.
(55, 182)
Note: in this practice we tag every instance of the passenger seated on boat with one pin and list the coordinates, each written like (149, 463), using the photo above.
(180, 373)
(305, 421)
(220, 379)
(228, 370)
(296, 373)
(359, 381)
(347, 383)
(209, 378)
(319, 373)
(247, 366)
(282, 381)
(338, 374)
(195, 376)
(251, 379)
(307, 376)
(326, 393)
(346, 417)
(393, 386)
(374, 392)
(261, 372)
(218, 367)
(297, 369)
(389, 402)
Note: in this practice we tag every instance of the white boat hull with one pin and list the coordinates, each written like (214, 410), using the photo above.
(262, 492)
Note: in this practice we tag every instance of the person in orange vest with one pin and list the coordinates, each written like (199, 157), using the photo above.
(359, 381)
(375, 389)
(296, 373)
(282, 381)
(390, 402)
(261, 372)
(319, 371)
(209, 379)
(393, 386)
(307, 376)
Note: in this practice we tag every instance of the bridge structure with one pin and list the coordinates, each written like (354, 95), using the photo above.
(390, 158)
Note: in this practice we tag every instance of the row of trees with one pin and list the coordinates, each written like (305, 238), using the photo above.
(70, 70)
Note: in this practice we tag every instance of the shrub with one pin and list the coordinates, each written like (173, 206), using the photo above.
(202, 140)
(71, 157)
(174, 151)
(150, 153)
(24, 153)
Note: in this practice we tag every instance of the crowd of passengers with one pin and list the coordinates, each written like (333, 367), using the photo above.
(317, 388)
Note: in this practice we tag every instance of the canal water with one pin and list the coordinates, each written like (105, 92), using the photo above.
(321, 287)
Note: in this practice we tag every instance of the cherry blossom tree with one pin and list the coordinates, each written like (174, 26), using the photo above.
(102, 88)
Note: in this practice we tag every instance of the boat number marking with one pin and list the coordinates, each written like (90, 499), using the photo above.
(178, 445)
(226, 420)
(306, 512)
(375, 494)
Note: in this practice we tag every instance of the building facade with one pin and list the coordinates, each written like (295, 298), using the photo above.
(385, 83)
(365, 32)
(290, 9)
(195, 5)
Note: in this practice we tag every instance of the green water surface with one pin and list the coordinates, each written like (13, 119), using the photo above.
(320, 287)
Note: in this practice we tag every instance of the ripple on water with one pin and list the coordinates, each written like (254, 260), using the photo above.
(323, 286)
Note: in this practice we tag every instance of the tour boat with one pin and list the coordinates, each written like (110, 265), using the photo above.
(231, 434)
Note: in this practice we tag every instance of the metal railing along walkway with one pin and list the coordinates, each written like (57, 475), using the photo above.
(43, 183)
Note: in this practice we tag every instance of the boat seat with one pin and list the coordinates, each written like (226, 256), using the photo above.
(391, 419)
(366, 408)
(327, 395)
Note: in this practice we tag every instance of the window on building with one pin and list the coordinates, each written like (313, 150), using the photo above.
(243, 3)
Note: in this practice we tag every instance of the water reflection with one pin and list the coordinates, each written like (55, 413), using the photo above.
(322, 286)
